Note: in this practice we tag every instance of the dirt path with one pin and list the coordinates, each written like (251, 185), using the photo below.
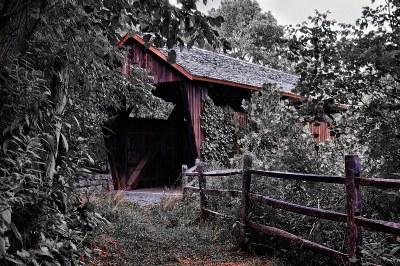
(150, 196)
(165, 233)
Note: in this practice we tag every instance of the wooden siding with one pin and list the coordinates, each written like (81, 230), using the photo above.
(195, 94)
(127, 64)
(322, 130)
(144, 58)
(241, 118)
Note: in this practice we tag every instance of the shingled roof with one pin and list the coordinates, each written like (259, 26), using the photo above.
(204, 63)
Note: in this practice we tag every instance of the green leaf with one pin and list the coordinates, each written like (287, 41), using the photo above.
(16, 233)
(23, 253)
(5, 144)
(73, 246)
(27, 119)
(6, 216)
(394, 251)
(44, 251)
(15, 261)
(64, 142)
(77, 122)
(35, 263)
(2, 246)
(90, 158)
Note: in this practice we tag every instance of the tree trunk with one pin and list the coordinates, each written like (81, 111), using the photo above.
(59, 99)
(18, 21)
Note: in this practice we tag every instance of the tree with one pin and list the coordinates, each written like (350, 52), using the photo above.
(356, 65)
(18, 20)
(253, 35)
(58, 79)
(279, 139)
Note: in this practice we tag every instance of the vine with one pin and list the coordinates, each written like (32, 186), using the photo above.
(220, 128)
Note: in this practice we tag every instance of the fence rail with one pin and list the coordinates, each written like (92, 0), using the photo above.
(97, 181)
(352, 182)
(224, 172)
(301, 177)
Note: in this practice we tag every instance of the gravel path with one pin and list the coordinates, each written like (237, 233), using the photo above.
(149, 196)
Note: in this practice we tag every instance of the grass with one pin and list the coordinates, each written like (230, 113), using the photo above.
(168, 233)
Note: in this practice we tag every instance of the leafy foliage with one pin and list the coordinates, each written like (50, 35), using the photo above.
(220, 129)
(59, 85)
(279, 138)
(356, 65)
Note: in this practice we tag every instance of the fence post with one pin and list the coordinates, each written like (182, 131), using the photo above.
(244, 208)
(184, 181)
(353, 208)
(202, 186)
(184, 177)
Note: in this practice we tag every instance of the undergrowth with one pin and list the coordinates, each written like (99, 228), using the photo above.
(169, 233)
(377, 247)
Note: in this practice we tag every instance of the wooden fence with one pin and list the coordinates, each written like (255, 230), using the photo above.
(96, 182)
(352, 181)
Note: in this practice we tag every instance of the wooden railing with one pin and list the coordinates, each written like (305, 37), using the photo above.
(96, 182)
(352, 181)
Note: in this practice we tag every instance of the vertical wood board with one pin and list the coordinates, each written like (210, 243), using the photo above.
(160, 70)
(195, 95)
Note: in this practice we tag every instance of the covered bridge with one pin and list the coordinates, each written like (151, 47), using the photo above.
(150, 152)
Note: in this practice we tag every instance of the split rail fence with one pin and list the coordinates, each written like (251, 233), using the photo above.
(352, 181)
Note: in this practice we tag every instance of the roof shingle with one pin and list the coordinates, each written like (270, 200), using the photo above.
(208, 64)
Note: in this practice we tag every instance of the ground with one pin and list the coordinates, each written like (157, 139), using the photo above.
(164, 233)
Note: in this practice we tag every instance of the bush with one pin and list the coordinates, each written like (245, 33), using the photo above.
(278, 141)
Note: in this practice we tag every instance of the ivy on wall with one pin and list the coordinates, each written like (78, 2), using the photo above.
(219, 125)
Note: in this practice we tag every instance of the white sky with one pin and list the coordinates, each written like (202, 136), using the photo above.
(296, 11)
